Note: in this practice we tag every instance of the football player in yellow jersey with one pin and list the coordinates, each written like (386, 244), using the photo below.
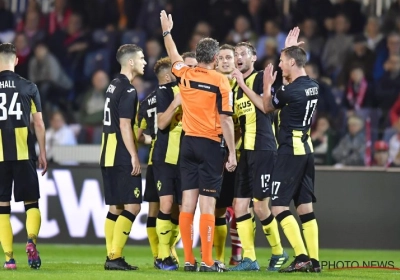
(258, 152)
(226, 65)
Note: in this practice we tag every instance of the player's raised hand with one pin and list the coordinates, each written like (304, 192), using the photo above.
(166, 21)
(292, 37)
(238, 76)
(269, 75)
(136, 169)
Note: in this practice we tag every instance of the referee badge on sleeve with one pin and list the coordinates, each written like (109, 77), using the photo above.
(179, 65)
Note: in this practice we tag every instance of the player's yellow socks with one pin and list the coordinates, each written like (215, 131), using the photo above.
(270, 228)
(292, 231)
(253, 220)
(6, 234)
(109, 230)
(310, 232)
(33, 221)
(246, 234)
(152, 235)
(164, 233)
(122, 229)
(175, 237)
(220, 234)
(207, 226)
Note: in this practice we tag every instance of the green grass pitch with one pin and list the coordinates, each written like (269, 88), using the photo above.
(75, 262)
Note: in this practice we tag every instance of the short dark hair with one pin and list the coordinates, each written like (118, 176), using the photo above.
(127, 49)
(206, 50)
(188, 54)
(161, 64)
(298, 54)
(227, 47)
(7, 48)
(248, 45)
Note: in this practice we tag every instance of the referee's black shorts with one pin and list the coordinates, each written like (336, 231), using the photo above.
(202, 165)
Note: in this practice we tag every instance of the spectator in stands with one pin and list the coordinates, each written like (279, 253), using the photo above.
(153, 52)
(92, 109)
(271, 31)
(324, 139)
(351, 149)
(23, 53)
(358, 97)
(372, 32)
(337, 47)
(316, 42)
(58, 18)
(194, 39)
(389, 21)
(360, 56)
(381, 154)
(69, 46)
(58, 134)
(394, 113)
(352, 9)
(384, 50)
(31, 28)
(241, 32)
(388, 89)
(203, 28)
(394, 147)
(53, 84)
(7, 24)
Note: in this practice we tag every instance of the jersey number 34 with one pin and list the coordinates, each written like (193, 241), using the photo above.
(13, 110)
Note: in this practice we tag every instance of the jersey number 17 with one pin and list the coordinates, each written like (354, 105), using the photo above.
(310, 108)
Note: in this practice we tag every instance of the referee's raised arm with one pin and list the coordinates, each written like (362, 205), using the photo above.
(166, 25)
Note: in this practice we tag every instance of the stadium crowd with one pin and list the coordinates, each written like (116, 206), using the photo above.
(67, 48)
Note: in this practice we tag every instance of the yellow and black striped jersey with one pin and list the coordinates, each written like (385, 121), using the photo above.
(256, 127)
(166, 147)
(121, 102)
(147, 119)
(297, 102)
(18, 99)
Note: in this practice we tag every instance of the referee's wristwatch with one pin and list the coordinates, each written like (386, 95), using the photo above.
(165, 33)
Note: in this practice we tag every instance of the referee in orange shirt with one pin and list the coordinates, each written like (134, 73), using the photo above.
(207, 122)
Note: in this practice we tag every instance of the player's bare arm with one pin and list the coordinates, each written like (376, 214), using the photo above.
(254, 97)
(40, 133)
(166, 25)
(228, 132)
(268, 79)
(127, 136)
(143, 138)
(164, 119)
(291, 38)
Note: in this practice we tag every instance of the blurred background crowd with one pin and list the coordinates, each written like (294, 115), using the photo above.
(67, 47)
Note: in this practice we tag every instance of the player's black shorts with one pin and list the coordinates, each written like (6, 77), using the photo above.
(24, 175)
(293, 178)
(253, 174)
(225, 198)
(167, 178)
(120, 187)
(202, 165)
(150, 193)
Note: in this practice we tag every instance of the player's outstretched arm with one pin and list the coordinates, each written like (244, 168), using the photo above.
(166, 25)
(40, 133)
(254, 97)
(268, 79)
(127, 136)
(292, 37)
